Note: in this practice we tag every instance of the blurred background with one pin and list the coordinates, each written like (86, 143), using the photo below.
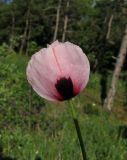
(34, 129)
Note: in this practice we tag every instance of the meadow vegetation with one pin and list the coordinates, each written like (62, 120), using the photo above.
(34, 129)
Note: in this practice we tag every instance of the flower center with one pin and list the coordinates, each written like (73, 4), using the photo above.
(65, 88)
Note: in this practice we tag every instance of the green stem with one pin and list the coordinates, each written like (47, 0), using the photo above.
(74, 116)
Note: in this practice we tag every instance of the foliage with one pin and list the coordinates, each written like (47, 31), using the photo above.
(100, 137)
(30, 130)
(14, 91)
(34, 129)
(90, 30)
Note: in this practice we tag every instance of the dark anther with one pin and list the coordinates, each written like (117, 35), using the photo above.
(65, 88)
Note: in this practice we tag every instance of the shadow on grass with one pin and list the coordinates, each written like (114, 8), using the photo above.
(3, 157)
(123, 132)
(38, 158)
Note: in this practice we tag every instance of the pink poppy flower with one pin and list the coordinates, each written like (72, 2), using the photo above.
(58, 72)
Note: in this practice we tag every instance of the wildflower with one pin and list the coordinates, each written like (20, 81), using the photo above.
(58, 72)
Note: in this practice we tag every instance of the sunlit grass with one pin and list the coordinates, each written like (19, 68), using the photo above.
(44, 129)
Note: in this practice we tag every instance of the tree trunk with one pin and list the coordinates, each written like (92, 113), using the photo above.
(65, 21)
(25, 31)
(109, 27)
(93, 4)
(12, 31)
(104, 36)
(117, 70)
(104, 39)
(57, 21)
(28, 39)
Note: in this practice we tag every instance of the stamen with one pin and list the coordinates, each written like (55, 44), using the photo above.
(65, 88)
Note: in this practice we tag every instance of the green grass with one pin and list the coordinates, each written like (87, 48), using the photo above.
(44, 129)
(57, 139)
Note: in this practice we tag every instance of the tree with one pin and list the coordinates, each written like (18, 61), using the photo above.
(26, 29)
(57, 20)
(65, 21)
(117, 70)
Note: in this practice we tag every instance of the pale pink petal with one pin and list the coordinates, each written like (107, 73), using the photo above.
(80, 77)
(39, 86)
(73, 63)
(42, 75)
(54, 44)
(59, 60)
